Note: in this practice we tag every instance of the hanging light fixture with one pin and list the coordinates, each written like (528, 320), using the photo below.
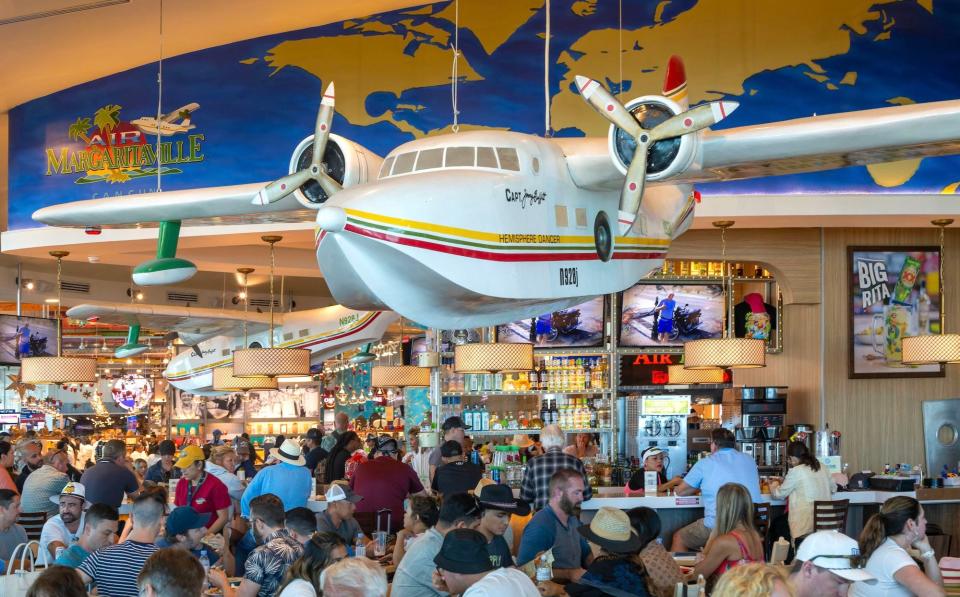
(932, 349)
(58, 369)
(492, 357)
(271, 362)
(728, 352)
(679, 375)
(223, 378)
(399, 376)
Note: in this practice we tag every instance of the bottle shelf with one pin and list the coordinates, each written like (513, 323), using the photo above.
(502, 432)
(532, 393)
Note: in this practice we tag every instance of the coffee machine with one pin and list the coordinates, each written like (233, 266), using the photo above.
(657, 420)
(761, 430)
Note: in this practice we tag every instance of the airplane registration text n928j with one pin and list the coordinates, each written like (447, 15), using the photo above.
(479, 228)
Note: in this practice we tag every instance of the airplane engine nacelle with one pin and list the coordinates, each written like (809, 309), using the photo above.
(667, 157)
(346, 162)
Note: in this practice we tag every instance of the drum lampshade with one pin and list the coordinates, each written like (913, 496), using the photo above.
(225, 381)
(58, 370)
(271, 362)
(724, 353)
(404, 376)
(680, 376)
(491, 357)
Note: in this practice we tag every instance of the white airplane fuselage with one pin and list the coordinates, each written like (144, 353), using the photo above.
(325, 332)
(482, 245)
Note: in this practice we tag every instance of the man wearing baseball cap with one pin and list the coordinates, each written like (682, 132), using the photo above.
(385, 482)
(163, 470)
(338, 517)
(199, 489)
(653, 459)
(453, 430)
(315, 454)
(185, 529)
(826, 563)
(63, 530)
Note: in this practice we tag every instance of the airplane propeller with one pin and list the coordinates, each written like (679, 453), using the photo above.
(282, 187)
(689, 121)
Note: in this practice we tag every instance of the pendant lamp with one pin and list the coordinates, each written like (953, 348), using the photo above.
(223, 378)
(402, 376)
(728, 352)
(58, 369)
(271, 362)
(678, 375)
(932, 349)
(492, 357)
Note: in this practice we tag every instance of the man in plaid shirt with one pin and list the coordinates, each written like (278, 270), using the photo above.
(536, 481)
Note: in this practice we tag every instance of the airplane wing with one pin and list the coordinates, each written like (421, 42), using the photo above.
(171, 116)
(192, 324)
(828, 142)
(212, 205)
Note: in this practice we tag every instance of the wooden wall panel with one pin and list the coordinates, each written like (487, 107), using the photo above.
(881, 419)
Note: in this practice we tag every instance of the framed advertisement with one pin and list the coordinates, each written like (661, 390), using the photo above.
(894, 292)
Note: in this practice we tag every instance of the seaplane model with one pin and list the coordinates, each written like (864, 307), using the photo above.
(483, 227)
(215, 333)
(168, 125)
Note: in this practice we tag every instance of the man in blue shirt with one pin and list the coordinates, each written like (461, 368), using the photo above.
(99, 530)
(555, 526)
(665, 310)
(289, 480)
(724, 465)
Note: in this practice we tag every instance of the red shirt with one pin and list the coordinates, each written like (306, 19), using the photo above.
(210, 496)
(384, 483)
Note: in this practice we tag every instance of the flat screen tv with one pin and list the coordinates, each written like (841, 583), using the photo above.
(656, 315)
(26, 337)
(580, 326)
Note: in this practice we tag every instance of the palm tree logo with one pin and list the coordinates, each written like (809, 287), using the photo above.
(78, 130)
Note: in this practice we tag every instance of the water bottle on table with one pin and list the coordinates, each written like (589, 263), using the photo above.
(205, 562)
(359, 546)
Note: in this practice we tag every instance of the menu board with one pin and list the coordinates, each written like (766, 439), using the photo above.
(672, 405)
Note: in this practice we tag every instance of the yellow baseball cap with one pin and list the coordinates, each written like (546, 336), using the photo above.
(189, 455)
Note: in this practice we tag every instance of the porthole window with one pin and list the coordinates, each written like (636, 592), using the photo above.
(536, 165)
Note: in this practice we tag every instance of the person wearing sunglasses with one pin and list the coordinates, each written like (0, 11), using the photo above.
(825, 565)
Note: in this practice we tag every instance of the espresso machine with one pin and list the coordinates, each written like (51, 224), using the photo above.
(761, 433)
(656, 420)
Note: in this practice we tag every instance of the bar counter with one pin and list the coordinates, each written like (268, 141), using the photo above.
(942, 506)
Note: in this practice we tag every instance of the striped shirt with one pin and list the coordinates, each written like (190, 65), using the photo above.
(114, 568)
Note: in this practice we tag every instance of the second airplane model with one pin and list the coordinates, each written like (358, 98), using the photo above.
(215, 333)
(479, 228)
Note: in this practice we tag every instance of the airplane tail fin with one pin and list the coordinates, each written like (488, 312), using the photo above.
(675, 82)
(185, 122)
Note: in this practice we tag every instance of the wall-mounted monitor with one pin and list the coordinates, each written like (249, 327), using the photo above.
(580, 326)
(22, 337)
(658, 315)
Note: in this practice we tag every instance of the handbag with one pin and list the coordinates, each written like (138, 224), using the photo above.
(18, 578)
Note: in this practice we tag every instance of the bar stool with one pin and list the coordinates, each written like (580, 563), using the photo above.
(830, 515)
(761, 519)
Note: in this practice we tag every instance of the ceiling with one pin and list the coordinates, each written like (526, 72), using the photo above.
(50, 53)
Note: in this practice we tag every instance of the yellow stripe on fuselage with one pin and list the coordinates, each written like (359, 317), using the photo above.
(491, 237)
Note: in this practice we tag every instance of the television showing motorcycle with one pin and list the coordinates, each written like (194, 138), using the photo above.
(22, 337)
(667, 315)
(579, 326)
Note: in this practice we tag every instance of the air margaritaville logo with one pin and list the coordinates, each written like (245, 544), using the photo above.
(117, 151)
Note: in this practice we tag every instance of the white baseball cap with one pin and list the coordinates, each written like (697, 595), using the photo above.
(835, 552)
(72, 489)
(337, 492)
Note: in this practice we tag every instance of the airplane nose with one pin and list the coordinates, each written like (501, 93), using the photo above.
(331, 218)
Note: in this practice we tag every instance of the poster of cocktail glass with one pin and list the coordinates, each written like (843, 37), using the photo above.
(894, 292)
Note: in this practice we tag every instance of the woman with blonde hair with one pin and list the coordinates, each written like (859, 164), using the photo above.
(734, 539)
(753, 580)
(900, 524)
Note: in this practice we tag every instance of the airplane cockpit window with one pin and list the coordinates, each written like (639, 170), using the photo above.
(404, 163)
(460, 156)
(385, 167)
(430, 159)
(508, 158)
(486, 158)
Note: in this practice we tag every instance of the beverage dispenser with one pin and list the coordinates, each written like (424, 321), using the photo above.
(662, 422)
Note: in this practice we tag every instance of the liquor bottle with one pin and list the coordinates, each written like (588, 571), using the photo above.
(541, 376)
(468, 417)
(533, 381)
(587, 375)
(594, 416)
(545, 411)
(923, 308)
(484, 418)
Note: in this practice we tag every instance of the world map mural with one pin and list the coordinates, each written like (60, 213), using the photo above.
(234, 113)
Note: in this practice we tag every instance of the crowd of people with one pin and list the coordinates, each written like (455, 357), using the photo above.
(435, 519)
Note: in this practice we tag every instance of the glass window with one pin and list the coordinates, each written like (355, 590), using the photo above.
(430, 158)
(404, 163)
(385, 167)
(508, 158)
(486, 158)
(460, 156)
